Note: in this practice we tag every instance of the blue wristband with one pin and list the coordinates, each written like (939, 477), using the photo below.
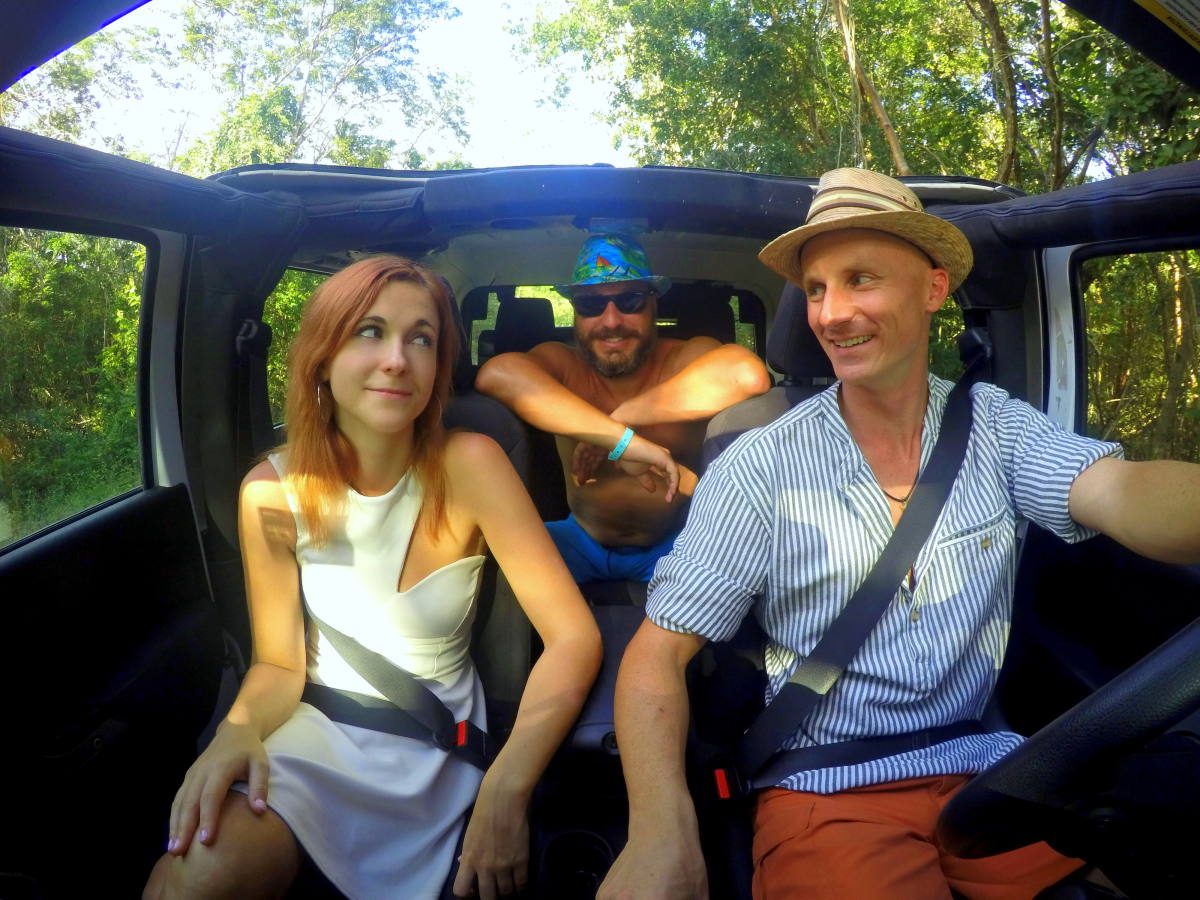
(621, 444)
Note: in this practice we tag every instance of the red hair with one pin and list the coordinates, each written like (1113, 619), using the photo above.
(320, 460)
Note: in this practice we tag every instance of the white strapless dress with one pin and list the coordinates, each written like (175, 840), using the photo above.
(379, 814)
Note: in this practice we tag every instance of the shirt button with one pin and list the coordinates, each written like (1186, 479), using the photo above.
(986, 543)
(915, 614)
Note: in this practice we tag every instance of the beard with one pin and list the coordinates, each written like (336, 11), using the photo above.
(615, 365)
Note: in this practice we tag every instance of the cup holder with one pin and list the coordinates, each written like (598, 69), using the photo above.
(574, 864)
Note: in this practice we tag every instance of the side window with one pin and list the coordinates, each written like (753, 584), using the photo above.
(282, 313)
(69, 312)
(943, 341)
(484, 327)
(746, 327)
(1143, 356)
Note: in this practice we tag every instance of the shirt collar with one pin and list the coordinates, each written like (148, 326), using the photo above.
(853, 463)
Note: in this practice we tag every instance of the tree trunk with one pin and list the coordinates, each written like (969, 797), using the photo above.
(1006, 93)
(866, 88)
(1058, 174)
(1179, 340)
(846, 27)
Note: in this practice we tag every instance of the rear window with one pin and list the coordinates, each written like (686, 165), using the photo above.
(481, 310)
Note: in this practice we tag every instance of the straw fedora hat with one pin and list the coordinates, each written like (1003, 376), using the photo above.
(858, 198)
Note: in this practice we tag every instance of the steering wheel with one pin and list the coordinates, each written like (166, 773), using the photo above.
(1058, 785)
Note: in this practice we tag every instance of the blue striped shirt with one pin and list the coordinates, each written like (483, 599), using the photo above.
(789, 521)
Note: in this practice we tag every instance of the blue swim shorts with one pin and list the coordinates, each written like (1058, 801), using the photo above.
(590, 561)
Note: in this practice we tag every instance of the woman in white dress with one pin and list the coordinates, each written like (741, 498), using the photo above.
(371, 521)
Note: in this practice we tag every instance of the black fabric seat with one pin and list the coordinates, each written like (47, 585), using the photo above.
(792, 350)
(502, 643)
(523, 324)
(707, 314)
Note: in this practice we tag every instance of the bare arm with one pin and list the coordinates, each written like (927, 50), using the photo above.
(272, 686)
(1153, 508)
(662, 857)
(496, 845)
(709, 377)
(531, 385)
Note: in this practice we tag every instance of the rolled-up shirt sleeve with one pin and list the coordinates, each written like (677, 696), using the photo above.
(1042, 461)
(711, 577)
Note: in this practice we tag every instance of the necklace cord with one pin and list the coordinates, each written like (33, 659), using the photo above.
(900, 500)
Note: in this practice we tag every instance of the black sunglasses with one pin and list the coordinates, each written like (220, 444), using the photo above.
(588, 306)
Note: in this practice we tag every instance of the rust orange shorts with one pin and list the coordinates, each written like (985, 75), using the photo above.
(878, 842)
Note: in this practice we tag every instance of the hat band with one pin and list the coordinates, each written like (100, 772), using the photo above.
(857, 198)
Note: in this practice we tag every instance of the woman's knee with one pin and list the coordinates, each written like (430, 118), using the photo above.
(252, 855)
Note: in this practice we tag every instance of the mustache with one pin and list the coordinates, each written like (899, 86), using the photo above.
(614, 333)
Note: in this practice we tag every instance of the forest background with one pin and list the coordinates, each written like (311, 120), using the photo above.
(1023, 92)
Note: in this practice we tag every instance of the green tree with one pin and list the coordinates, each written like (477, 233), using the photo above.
(282, 312)
(61, 99)
(1022, 91)
(1143, 352)
(314, 81)
(68, 426)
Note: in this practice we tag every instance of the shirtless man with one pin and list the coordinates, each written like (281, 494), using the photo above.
(628, 409)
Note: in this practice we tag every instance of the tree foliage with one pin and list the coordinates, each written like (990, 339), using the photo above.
(68, 387)
(1143, 352)
(1022, 90)
(306, 80)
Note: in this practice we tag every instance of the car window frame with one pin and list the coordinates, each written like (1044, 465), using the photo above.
(1065, 315)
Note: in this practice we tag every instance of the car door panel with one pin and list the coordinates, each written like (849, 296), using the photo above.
(113, 670)
(118, 648)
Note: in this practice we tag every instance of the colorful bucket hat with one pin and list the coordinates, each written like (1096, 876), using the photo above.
(611, 258)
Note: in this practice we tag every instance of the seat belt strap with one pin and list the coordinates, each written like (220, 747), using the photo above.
(851, 753)
(821, 669)
(469, 741)
(430, 718)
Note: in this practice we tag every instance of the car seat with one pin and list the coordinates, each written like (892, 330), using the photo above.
(793, 351)
(521, 325)
(502, 644)
(707, 313)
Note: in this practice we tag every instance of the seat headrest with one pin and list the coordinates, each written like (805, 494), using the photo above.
(463, 378)
(708, 316)
(792, 348)
(523, 323)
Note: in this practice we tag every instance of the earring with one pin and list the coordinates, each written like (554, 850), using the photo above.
(320, 402)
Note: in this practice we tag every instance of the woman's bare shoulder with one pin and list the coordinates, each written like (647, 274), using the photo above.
(263, 487)
(468, 449)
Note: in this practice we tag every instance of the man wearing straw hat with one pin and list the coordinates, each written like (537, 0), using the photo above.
(812, 498)
(629, 410)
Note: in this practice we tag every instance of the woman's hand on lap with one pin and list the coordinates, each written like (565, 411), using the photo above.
(235, 754)
(495, 854)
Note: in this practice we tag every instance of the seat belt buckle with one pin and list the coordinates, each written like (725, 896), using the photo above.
(727, 783)
(472, 744)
